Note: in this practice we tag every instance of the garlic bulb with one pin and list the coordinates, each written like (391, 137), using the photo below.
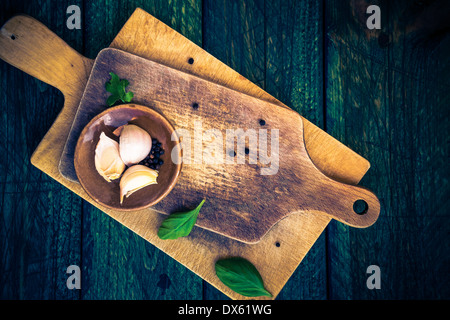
(134, 145)
(136, 178)
(107, 159)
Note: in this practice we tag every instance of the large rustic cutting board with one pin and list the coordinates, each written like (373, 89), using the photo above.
(39, 52)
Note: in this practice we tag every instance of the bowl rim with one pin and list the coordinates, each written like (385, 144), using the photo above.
(143, 108)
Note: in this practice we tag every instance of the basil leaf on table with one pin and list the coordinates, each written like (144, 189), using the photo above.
(179, 224)
(241, 276)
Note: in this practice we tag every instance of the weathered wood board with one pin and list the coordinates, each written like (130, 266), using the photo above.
(245, 195)
(202, 248)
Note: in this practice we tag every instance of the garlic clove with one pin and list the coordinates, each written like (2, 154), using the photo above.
(135, 178)
(107, 159)
(134, 145)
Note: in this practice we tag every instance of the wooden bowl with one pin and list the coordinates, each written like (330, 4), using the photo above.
(108, 193)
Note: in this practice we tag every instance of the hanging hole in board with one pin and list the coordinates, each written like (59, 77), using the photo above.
(13, 37)
(195, 105)
(360, 207)
(191, 60)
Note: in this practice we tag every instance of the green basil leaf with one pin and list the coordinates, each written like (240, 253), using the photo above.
(111, 85)
(117, 87)
(112, 99)
(128, 96)
(121, 89)
(125, 82)
(241, 276)
(179, 224)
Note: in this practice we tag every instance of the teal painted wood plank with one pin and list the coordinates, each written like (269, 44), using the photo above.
(234, 33)
(294, 56)
(419, 96)
(351, 97)
(118, 264)
(40, 222)
(387, 98)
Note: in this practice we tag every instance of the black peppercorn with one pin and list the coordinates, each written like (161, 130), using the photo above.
(152, 160)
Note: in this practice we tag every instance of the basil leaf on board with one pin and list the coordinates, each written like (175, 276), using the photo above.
(117, 87)
(128, 96)
(112, 99)
(179, 224)
(241, 276)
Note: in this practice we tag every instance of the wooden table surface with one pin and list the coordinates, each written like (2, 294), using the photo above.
(384, 93)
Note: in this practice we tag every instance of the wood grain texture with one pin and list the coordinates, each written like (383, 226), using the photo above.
(391, 87)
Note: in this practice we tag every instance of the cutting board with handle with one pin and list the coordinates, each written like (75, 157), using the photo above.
(245, 194)
(39, 52)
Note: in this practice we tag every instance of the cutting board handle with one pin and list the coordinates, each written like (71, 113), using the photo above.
(355, 206)
(30, 46)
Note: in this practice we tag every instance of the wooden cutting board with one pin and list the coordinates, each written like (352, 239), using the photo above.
(245, 195)
(40, 53)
